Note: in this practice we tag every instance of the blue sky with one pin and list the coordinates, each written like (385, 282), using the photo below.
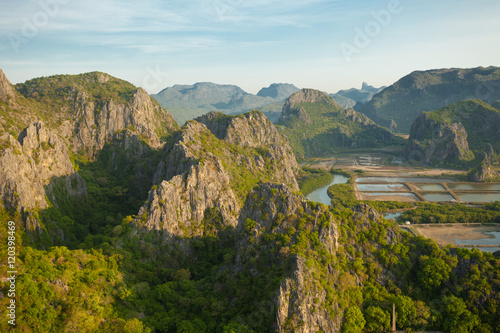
(323, 44)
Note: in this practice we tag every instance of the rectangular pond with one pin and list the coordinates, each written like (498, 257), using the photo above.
(381, 187)
(389, 196)
(478, 197)
(402, 180)
(474, 187)
(431, 187)
(438, 197)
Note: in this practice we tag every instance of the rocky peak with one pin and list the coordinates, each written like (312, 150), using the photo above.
(292, 109)
(6, 89)
(308, 96)
(31, 168)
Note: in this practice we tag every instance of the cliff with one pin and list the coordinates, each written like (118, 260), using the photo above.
(455, 133)
(215, 167)
(49, 126)
(28, 167)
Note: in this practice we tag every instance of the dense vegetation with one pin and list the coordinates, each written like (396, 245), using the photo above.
(427, 212)
(324, 127)
(312, 179)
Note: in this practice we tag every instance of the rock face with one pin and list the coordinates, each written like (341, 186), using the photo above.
(298, 301)
(254, 130)
(455, 133)
(97, 123)
(447, 142)
(82, 114)
(29, 166)
(485, 171)
(202, 170)
(6, 90)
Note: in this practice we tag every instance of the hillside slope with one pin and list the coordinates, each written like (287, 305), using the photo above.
(401, 103)
(316, 125)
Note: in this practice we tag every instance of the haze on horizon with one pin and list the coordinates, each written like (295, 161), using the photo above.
(322, 44)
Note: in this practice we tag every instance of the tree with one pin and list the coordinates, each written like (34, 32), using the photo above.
(433, 271)
(354, 321)
(457, 319)
(405, 311)
(377, 320)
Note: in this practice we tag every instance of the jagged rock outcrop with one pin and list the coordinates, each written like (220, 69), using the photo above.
(177, 207)
(455, 133)
(432, 142)
(201, 171)
(276, 210)
(485, 171)
(96, 123)
(254, 130)
(29, 166)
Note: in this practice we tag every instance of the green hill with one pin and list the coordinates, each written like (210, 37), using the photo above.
(401, 103)
(316, 125)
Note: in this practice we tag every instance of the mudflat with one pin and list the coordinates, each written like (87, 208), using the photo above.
(445, 234)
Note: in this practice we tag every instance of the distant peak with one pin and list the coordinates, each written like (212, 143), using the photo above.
(278, 90)
(6, 89)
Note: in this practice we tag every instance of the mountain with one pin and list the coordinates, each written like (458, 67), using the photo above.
(190, 101)
(122, 221)
(401, 103)
(316, 125)
(349, 98)
(48, 124)
(459, 133)
(280, 91)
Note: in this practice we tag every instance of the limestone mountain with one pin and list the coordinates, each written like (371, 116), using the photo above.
(187, 102)
(316, 125)
(457, 133)
(48, 124)
(401, 103)
(213, 163)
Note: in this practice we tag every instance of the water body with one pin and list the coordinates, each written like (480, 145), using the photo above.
(438, 197)
(381, 187)
(475, 187)
(431, 187)
(392, 215)
(491, 238)
(320, 195)
(478, 197)
(394, 196)
(402, 180)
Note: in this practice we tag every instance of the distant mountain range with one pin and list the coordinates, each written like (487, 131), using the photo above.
(351, 97)
(187, 102)
(397, 106)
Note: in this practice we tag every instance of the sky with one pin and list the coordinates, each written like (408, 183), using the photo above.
(322, 44)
